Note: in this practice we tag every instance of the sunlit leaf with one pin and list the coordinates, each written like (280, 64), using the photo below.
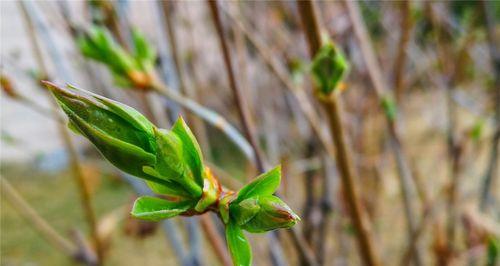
(238, 245)
(155, 209)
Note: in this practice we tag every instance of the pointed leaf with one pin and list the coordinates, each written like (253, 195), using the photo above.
(191, 150)
(238, 245)
(155, 209)
(170, 164)
(263, 185)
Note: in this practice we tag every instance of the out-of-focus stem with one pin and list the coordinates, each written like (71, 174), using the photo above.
(250, 132)
(189, 91)
(380, 87)
(76, 167)
(311, 28)
(399, 64)
(42, 226)
(240, 101)
(493, 43)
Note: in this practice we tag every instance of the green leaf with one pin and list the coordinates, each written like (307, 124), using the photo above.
(156, 209)
(191, 151)
(238, 245)
(493, 251)
(265, 184)
(245, 210)
(172, 189)
(477, 130)
(144, 53)
(170, 162)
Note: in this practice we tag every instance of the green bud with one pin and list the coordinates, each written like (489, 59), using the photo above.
(389, 106)
(169, 160)
(121, 134)
(156, 209)
(264, 213)
(328, 68)
(256, 209)
(128, 69)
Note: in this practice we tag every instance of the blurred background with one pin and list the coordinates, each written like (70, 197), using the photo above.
(419, 109)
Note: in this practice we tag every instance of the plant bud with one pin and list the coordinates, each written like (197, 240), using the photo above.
(329, 67)
(120, 133)
(128, 69)
(264, 213)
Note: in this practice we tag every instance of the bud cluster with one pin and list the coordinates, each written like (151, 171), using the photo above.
(171, 162)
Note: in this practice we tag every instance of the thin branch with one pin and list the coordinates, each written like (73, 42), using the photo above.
(42, 226)
(311, 27)
(211, 117)
(85, 197)
(492, 166)
(399, 64)
(406, 178)
(299, 94)
(250, 132)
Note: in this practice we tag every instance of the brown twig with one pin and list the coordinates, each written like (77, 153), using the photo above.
(76, 167)
(399, 64)
(311, 27)
(380, 87)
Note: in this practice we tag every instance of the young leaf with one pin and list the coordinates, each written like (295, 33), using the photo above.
(170, 162)
(245, 210)
(238, 245)
(191, 152)
(263, 185)
(155, 209)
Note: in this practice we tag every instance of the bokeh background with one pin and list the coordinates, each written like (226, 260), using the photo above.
(439, 60)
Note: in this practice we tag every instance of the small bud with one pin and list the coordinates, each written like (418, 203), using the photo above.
(128, 69)
(389, 106)
(7, 87)
(329, 67)
(263, 213)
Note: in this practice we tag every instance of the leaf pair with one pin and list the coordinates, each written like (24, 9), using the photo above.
(256, 210)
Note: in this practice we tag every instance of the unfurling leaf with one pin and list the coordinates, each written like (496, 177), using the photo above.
(238, 245)
(328, 68)
(156, 209)
(265, 184)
